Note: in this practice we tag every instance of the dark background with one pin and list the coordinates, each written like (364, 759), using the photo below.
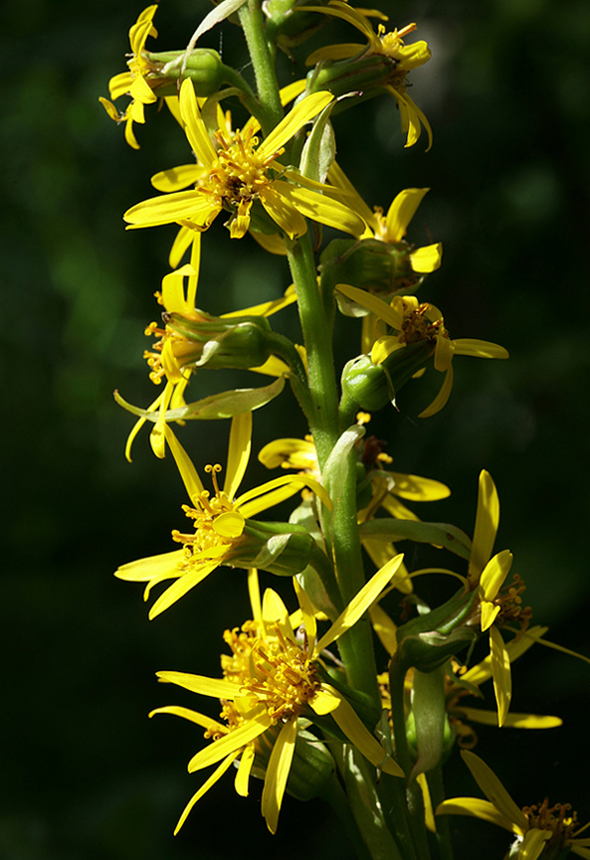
(85, 774)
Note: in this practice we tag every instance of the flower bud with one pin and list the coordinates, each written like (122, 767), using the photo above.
(204, 67)
(356, 75)
(372, 386)
(238, 342)
(382, 268)
(311, 767)
(287, 28)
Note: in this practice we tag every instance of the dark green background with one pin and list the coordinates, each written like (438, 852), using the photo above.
(85, 774)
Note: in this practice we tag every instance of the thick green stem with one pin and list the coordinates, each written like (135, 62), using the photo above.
(359, 781)
(333, 793)
(252, 21)
(317, 336)
(437, 795)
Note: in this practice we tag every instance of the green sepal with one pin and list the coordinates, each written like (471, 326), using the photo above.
(233, 342)
(358, 75)
(367, 384)
(280, 548)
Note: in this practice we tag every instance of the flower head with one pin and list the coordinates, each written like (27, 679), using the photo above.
(236, 171)
(134, 82)
(540, 830)
(271, 679)
(219, 520)
(388, 44)
(414, 322)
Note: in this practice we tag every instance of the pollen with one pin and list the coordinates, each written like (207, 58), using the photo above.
(239, 174)
(558, 819)
(510, 601)
(205, 514)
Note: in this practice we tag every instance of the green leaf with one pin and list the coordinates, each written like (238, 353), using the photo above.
(223, 405)
(319, 150)
(438, 534)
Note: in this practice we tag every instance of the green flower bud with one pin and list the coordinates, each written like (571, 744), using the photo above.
(372, 386)
(288, 28)
(280, 548)
(242, 342)
(382, 268)
(311, 767)
(365, 75)
(204, 67)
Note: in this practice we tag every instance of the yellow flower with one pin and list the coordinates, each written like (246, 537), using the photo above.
(497, 605)
(239, 172)
(414, 322)
(390, 228)
(540, 830)
(219, 519)
(390, 45)
(134, 82)
(387, 487)
(272, 679)
(173, 352)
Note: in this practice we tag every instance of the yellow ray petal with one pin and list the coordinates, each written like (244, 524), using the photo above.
(306, 110)
(277, 774)
(401, 212)
(479, 348)
(495, 791)
(494, 573)
(240, 444)
(188, 473)
(487, 519)
(145, 569)
(482, 809)
(192, 716)
(243, 775)
(234, 741)
(354, 729)
(361, 602)
(218, 688)
(217, 774)
(182, 585)
(442, 396)
(513, 720)
(195, 128)
(427, 258)
(500, 673)
(374, 304)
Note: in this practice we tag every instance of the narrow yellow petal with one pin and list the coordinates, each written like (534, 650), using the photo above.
(177, 178)
(500, 673)
(487, 519)
(182, 585)
(401, 212)
(489, 613)
(366, 743)
(192, 716)
(243, 775)
(320, 208)
(215, 776)
(428, 810)
(374, 304)
(384, 627)
(218, 688)
(477, 808)
(195, 128)
(494, 573)
(145, 569)
(495, 791)
(479, 348)
(442, 396)
(277, 774)
(513, 720)
(304, 111)
(188, 473)
(238, 455)
(533, 844)
(324, 701)
(254, 594)
(234, 741)
(361, 602)
(307, 610)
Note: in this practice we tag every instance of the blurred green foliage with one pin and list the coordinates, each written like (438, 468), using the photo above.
(85, 773)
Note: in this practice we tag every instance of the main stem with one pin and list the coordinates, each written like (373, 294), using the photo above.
(252, 21)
